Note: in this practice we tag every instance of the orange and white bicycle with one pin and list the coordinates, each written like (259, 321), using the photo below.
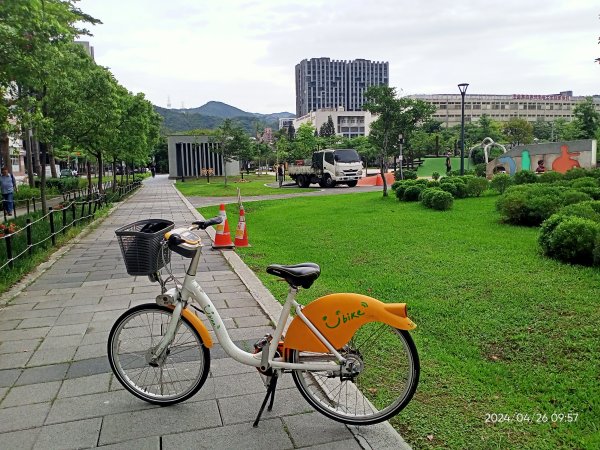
(350, 355)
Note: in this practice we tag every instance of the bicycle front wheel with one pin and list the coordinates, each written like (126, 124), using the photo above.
(388, 374)
(174, 378)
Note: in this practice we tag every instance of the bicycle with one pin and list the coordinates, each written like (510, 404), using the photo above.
(351, 356)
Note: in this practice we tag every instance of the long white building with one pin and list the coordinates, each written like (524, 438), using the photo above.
(503, 107)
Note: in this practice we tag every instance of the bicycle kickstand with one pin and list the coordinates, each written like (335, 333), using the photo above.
(271, 394)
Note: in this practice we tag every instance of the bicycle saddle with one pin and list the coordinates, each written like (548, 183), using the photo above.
(303, 274)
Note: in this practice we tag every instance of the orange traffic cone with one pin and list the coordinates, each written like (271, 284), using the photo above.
(223, 237)
(241, 234)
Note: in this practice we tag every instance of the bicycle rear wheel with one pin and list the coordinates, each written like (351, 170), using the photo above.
(176, 378)
(388, 376)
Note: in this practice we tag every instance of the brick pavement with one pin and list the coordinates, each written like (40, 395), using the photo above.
(56, 387)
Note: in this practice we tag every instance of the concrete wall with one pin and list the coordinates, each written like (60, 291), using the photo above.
(189, 155)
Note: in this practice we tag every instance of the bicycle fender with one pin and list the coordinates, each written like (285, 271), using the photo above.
(338, 316)
(198, 325)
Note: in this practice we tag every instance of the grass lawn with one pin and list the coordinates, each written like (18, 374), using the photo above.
(252, 185)
(431, 165)
(501, 330)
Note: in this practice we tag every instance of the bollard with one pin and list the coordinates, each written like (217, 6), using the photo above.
(27, 206)
(74, 213)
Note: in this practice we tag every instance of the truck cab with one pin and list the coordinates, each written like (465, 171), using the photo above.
(328, 168)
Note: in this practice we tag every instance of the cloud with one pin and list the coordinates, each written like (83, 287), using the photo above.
(244, 52)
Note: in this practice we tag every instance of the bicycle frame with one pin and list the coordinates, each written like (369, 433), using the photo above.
(266, 359)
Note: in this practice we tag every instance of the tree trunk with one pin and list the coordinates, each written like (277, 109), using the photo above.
(42, 174)
(37, 168)
(88, 167)
(28, 157)
(100, 173)
(114, 171)
(382, 170)
(5, 151)
(52, 162)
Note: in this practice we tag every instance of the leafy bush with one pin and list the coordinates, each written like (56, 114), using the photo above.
(401, 186)
(587, 210)
(26, 192)
(476, 186)
(501, 182)
(584, 182)
(593, 192)
(395, 185)
(437, 199)
(410, 174)
(411, 194)
(433, 183)
(435, 175)
(530, 204)
(572, 196)
(525, 177)
(449, 187)
(576, 172)
(570, 239)
(480, 169)
(550, 177)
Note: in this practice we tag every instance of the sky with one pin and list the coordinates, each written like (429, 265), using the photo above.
(243, 52)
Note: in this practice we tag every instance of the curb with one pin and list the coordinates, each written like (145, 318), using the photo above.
(381, 436)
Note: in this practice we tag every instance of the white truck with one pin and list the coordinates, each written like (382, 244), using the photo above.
(328, 167)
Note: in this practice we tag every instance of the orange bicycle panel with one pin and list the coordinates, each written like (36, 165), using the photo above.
(338, 316)
(198, 325)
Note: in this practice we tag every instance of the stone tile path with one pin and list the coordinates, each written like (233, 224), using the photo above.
(56, 386)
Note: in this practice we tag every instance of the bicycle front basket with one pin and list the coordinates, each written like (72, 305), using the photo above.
(141, 245)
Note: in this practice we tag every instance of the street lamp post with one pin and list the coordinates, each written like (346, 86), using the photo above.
(400, 142)
(463, 90)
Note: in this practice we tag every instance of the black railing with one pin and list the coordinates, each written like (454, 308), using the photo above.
(37, 232)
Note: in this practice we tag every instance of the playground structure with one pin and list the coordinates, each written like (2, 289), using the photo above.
(556, 156)
(486, 144)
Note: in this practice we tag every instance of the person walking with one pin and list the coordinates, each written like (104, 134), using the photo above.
(9, 186)
(448, 164)
(280, 173)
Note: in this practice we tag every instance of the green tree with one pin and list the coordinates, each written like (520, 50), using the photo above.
(587, 119)
(542, 130)
(306, 142)
(327, 129)
(395, 116)
(518, 131)
(232, 141)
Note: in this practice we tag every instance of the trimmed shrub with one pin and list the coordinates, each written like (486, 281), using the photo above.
(572, 196)
(395, 185)
(411, 194)
(441, 200)
(585, 182)
(501, 182)
(435, 175)
(476, 186)
(449, 187)
(426, 195)
(530, 204)
(525, 177)
(576, 172)
(410, 174)
(571, 239)
(587, 210)
(550, 177)
(433, 183)
(593, 192)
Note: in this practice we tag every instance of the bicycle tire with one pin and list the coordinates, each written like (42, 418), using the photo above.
(385, 385)
(183, 372)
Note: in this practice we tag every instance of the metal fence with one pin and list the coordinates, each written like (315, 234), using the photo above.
(37, 233)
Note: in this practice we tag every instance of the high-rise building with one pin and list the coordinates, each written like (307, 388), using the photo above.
(324, 83)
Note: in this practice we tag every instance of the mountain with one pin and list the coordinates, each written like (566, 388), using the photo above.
(212, 114)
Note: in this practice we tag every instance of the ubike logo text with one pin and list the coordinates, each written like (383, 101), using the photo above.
(344, 317)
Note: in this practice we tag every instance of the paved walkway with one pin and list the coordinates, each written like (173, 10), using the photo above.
(56, 387)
